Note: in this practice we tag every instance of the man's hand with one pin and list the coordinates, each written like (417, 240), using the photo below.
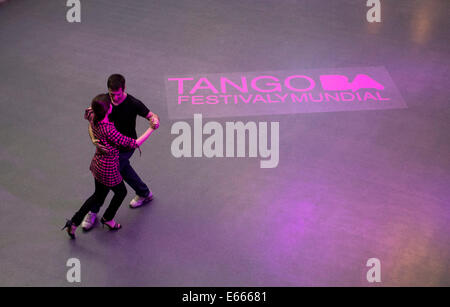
(102, 149)
(154, 121)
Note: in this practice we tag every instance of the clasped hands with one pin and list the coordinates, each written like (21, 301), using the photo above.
(154, 121)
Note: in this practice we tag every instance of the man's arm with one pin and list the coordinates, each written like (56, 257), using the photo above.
(99, 146)
(89, 116)
(150, 114)
(91, 134)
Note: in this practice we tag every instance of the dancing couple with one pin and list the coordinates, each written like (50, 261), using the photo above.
(112, 128)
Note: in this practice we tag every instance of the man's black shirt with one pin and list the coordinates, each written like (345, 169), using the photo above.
(124, 115)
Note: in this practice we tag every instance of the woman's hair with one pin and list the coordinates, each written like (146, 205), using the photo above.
(100, 105)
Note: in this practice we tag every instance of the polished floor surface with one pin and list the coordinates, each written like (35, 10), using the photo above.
(349, 186)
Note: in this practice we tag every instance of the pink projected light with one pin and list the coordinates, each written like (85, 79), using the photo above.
(340, 83)
(281, 92)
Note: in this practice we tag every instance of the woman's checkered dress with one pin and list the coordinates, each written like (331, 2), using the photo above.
(105, 167)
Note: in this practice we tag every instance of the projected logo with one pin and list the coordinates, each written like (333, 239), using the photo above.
(341, 83)
(282, 92)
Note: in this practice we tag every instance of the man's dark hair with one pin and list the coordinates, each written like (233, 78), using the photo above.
(116, 82)
(100, 105)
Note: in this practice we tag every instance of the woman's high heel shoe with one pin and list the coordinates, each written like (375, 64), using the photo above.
(116, 226)
(70, 229)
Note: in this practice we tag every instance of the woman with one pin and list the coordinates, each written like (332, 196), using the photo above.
(105, 167)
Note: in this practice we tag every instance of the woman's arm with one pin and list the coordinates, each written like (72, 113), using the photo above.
(117, 138)
(144, 136)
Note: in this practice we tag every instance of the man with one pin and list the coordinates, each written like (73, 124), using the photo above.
(124, 113)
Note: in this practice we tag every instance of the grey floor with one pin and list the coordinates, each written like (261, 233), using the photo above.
(349, 185)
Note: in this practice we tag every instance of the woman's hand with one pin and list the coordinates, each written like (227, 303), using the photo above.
(154, 121)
